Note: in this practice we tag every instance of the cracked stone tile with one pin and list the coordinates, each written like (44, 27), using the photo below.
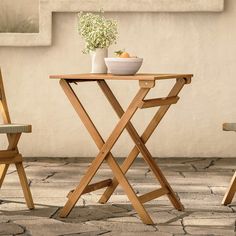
(142, 233)
(92, 233)
(12, 178)
(10, 229)
(140, 173)
(3, 220)
(177, 160)
(233, 206)
(165, 217)
(210, 223)
(199, 199)
(204, 178)
(218, 190)
(52, 160)
(112, 208)
(176, 167)
(124, 227)
(117, 198)
(126, 219)
(9, 184)
(24, 234)
(51, 190)
(126, 206)
(13, 211)
(56, 201)
(202, 163)
(207, 208)
(42, 201)
(200, 186)
(171, 229)
(191, 189)
(52, 227)
(5, 193)
(46, 164)
(91, 213)
(13, 206)
(224, 164)
(209, 230)
(38, 176)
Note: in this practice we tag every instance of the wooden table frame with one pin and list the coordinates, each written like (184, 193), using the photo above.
(229, 195)
(146, 83)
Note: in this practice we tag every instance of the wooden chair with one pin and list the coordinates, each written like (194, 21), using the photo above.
(11, 155)
(232, 187)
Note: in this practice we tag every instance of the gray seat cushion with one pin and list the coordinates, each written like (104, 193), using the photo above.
(14, 128)
(229, 126)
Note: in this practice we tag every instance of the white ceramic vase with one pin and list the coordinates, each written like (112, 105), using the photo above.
(98, 62)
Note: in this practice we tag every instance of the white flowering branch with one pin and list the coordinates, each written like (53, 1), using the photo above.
(97, 31)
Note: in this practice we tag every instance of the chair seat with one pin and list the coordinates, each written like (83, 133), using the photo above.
(229, 126)
(15, 128)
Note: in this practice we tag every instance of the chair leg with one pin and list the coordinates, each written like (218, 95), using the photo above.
(230, 192)
(24, 184)
(3, 172)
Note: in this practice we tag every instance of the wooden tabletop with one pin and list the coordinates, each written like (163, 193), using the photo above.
(119, 77)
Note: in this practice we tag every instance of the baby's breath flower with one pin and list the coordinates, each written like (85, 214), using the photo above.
(97, 31)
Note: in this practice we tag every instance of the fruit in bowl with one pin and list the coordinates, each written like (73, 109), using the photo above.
(123, 64)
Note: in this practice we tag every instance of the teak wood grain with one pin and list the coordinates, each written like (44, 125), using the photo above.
(11, 155)
(228, 197)
(140, 77)
(230, 191)
(146, 82)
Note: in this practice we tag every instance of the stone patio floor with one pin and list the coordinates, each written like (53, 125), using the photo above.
(200, 184)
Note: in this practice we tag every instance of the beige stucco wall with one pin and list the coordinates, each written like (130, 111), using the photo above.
(198, 43)
(25, 8)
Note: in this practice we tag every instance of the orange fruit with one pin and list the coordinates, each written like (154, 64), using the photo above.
(124, 55)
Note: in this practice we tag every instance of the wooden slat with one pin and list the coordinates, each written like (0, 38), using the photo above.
(140, 77)
(7, 154)
(11, 160)
(94, 187)
(158, 102)
(229, 126)
(152, 195)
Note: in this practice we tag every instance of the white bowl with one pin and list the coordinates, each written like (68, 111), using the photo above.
(123, 66)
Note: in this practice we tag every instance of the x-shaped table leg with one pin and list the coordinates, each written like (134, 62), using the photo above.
(140, 146)
(230, 192)
(105, 152)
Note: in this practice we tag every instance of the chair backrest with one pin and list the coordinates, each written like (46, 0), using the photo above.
(3, 103)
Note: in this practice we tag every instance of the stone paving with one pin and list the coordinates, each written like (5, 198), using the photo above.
(200, 183)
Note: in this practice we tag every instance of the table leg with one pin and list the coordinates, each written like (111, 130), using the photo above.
(3, 172)
(230, 192)
(104, 152)
(140, 147)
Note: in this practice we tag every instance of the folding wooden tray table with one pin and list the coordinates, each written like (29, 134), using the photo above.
(146, 82)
